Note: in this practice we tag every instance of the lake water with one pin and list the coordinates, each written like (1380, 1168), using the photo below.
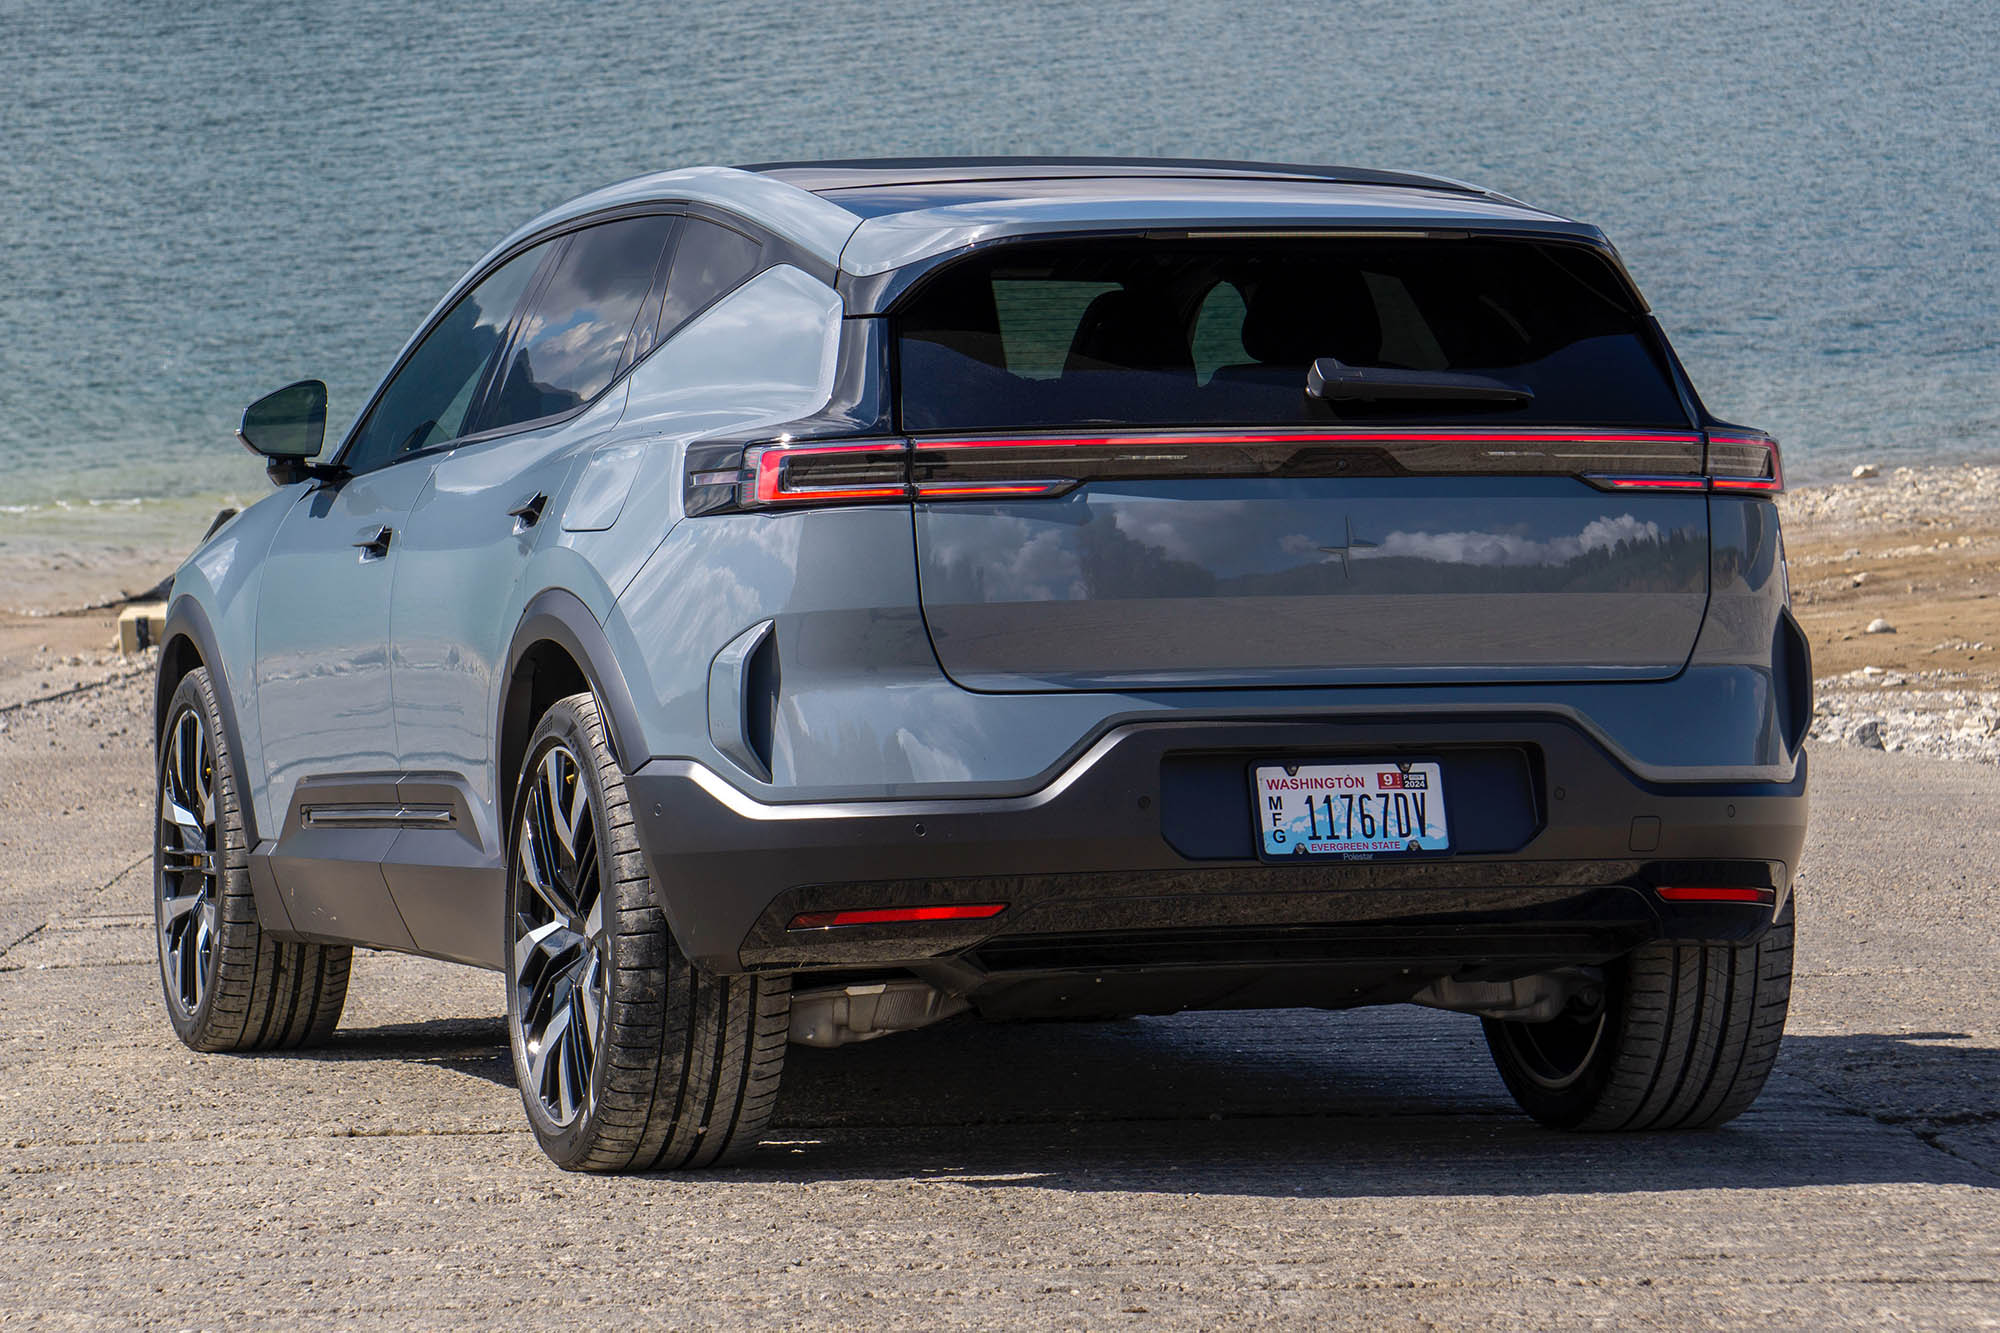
(198, 204)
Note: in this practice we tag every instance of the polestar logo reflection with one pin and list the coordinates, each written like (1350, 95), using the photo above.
(1346, 548)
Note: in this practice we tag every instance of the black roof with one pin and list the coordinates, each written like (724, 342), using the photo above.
(863, 173)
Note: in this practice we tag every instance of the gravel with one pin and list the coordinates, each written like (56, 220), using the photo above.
(1905, 497)
(1908, 712)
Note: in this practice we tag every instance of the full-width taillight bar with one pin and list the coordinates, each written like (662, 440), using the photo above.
(1025, 466)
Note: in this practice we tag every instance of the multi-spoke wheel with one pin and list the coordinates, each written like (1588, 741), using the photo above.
(229, 986)
(560, 956)
(627, 1056)
(190, 864)
(1683, 1039)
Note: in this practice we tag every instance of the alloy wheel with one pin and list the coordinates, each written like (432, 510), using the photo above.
(190, 864)
(561, 957)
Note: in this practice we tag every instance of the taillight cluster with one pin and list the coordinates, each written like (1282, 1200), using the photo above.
(1744, 462)
(1733, 461)
(780, 474)
(784, 473)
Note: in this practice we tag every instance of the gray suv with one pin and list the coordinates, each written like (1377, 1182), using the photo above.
(806, 602)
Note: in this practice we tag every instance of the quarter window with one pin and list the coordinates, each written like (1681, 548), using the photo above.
(572, 339)
(711, 259)
(427, 400)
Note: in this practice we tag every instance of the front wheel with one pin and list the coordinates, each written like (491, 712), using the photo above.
(228, 985)
(628, 1057)
(1684, 1039)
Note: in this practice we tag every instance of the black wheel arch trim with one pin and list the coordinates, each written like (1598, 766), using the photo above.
(561, 617)
(187, 620)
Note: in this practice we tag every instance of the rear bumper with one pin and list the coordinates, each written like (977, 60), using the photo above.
(1141, 854)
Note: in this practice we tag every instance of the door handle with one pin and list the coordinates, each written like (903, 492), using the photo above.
(529, 512)
(373, 543)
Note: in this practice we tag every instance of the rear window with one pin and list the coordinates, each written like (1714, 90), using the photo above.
(1197, 333)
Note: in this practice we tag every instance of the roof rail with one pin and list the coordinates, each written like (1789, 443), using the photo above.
(1000, 167)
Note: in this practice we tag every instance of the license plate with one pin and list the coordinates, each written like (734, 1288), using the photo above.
(1362, 809)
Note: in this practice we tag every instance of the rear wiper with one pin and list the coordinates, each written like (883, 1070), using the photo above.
(1336, 381)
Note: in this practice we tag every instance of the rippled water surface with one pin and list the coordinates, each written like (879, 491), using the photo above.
(197, 205)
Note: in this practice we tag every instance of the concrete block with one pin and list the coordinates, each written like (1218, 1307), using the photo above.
(140, 626)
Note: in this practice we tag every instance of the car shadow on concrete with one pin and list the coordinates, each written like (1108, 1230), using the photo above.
(476, 1047)
(1387, 1101)
(1294, 1103)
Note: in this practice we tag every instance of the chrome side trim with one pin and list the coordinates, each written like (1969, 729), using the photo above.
(375, 816)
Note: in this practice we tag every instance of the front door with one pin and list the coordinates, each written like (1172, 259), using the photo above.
(325, 699)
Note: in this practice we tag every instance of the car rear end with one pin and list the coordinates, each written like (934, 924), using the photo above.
(1318, 614)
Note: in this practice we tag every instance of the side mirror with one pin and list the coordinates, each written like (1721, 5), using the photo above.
(288, 428)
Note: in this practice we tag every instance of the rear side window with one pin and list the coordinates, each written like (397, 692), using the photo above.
(710, 260)
(572, 339)
(1223, 332)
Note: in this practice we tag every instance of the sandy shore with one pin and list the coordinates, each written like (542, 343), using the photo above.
(1918, 548)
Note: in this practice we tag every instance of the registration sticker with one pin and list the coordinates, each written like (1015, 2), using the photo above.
(1359, 810)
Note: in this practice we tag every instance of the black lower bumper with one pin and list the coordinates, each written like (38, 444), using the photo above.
(1142, 855)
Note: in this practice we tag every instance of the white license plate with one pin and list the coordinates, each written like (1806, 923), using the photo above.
(1367, 808)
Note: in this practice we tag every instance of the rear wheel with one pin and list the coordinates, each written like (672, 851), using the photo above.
(1683, 1039)
(228, 985)
(628, 1057)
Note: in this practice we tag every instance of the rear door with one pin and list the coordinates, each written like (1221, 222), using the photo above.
(1122, 481)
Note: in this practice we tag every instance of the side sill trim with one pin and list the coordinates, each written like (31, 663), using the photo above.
(377, 816)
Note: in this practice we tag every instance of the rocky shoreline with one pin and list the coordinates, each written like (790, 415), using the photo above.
(1896, 579)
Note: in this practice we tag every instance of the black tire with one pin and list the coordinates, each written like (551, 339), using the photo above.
(683, 1068)
(228, 985)
(1684, 1040)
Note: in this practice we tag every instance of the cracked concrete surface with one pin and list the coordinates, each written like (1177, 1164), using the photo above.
(1201, 1171)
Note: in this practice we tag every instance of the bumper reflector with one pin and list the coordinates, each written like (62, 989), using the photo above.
(1714, 894)
(896, 916)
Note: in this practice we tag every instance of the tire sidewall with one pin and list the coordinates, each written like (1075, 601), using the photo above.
(565, 1144)
(192, 694)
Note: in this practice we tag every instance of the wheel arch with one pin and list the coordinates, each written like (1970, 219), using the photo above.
(188, 641)
(559, 649)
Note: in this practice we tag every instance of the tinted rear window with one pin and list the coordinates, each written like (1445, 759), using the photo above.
(572, 340)
(709, 261)
(1222, 332)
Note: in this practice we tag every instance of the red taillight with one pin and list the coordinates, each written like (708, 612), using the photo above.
(1732, 461)
(1642, 483)
(971, 466)
(826, 473)
(783, 474)
(897, 916)
(1714, 894)
(944, 490)
(1744, 461)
